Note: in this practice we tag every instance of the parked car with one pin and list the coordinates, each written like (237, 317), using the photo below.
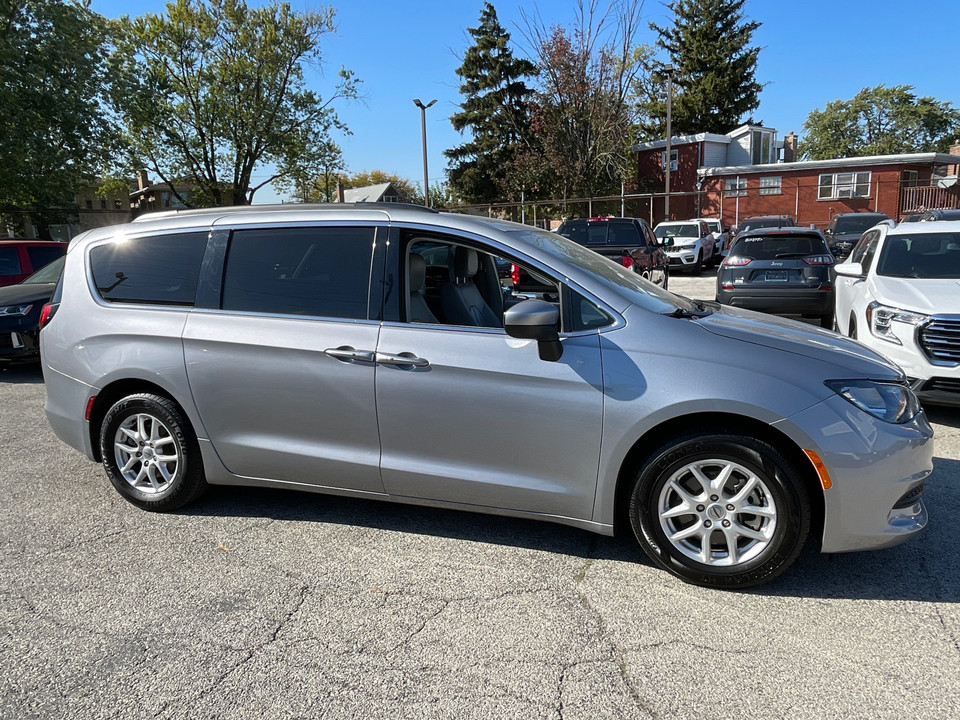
(763, 221)
(721, 236)
(20, 307)
(845, 229)
(897, 293)
(629, 241)
(934, 215)
(292, 346)
(20, 258)
(779, 270)
(688, 243)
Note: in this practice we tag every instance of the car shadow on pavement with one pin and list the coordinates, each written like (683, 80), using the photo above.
(21, 374)
(924, 569)
(943, 415)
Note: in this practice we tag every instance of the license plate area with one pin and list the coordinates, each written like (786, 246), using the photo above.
(775, 276)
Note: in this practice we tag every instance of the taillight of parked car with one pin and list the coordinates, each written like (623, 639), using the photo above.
(627, 261)
(819, 260)
(515, 275)
(737, 261)
(47, 313)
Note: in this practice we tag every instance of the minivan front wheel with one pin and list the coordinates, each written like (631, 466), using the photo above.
(151, 454)
(720, 510)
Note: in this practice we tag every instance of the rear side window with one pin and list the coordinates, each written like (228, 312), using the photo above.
(42, 256)
(771, 247)
(9, 261)
(159, 270)
(323, 272)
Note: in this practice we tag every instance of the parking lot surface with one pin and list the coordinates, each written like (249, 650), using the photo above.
(273, 604)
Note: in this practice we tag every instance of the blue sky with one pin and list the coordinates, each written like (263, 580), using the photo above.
(812, 53)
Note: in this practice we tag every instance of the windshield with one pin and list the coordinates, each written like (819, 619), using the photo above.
(613, 275)
(771, 247)
(686, 231)
(772, 222)
(49, 273)
(856, 224)
(928, 256)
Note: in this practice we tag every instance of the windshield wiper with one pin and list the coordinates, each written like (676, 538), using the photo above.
(794, 254)
(702, 310)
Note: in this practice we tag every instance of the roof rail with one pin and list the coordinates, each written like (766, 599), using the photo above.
(279, 207)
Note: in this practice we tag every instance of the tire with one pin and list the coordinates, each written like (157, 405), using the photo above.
(151, 454)
(670, 507)
(698, 265)
(827, 321)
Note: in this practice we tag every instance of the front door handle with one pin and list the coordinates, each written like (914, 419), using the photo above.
(404, 359)
(349, 354)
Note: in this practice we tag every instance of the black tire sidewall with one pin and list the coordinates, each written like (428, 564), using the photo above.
(186, 484)
(782, 480)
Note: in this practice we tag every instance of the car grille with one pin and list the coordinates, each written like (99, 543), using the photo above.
(6, 341)
(940, 340)
(938, 384)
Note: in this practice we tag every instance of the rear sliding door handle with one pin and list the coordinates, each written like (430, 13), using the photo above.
(349, 354)
(404, 359)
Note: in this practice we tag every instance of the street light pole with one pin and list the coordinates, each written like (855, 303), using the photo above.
(666, 184)
(423, 123)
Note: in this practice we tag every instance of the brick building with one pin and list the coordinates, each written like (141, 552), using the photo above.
(748, 172)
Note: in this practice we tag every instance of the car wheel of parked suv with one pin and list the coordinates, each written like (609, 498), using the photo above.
(698, 265)
(151, 454)
(720, 510)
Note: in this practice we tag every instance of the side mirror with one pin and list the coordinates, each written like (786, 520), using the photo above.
(536, 320)
(854, 270)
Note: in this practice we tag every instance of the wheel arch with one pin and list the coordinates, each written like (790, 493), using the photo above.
(645, 445)
(113, 392)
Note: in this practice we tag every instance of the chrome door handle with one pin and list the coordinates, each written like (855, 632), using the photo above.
(349, 354)
(404, 359)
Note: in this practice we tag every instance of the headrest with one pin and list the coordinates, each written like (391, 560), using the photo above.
(417, 269)
(466, 263)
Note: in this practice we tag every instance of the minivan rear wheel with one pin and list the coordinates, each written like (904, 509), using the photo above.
(720, 510)
(151, 454)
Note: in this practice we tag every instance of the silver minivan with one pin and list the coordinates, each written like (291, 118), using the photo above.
(397, 353)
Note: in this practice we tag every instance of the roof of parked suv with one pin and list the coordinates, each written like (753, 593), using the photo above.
(785, 230)
(284, 208)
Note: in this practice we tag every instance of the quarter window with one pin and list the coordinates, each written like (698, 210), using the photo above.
(323, 272)
(9, 261)
(41, 256)
(771, 185)
(844, 185)
(161, 270)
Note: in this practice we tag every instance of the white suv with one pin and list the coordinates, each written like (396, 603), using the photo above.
(720, 236)
(689, 244)
(898, 294)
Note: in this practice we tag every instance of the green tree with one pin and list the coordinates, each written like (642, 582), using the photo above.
(714, 69)
(215, 90)
(494, 112)
(53, 75)
(880, 121)
(582, 115)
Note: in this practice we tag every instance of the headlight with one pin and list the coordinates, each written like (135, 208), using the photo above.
(892, 402)
(11, 310)
(880, 317)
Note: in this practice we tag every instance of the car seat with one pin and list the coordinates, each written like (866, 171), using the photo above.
(416, 278)
(460, 301)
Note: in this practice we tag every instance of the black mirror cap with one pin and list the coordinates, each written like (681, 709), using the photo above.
(536, 320)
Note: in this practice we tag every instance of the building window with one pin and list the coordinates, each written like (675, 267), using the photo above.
(117, 204)
(844, 185)
(674, 160)
(760, 146)
(103, 204)
(391, 198)
(89, 204)
(910, 178)
(771, 185)
(735, 188)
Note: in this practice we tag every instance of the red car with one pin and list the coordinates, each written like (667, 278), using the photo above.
(20, 258)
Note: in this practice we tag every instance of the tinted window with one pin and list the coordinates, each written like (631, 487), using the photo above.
(624, 234)
(40, 256)
(597, 234)
(575, 230)
(9, 261)
(929, 256)
(770, 247)
(684, 231)
(323, 272)
(159, 270)
(772, 222)
(857, 224)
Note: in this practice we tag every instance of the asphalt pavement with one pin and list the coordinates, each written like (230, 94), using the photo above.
(274, 604)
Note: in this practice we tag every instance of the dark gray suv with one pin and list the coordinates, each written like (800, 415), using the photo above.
(374, 352)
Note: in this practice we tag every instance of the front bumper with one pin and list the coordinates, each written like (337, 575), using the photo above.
(805, 301)
(877, 471)
(15, 344)
(680, 258)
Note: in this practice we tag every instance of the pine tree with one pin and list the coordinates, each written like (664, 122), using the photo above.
(714, 67)
(494, 110)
